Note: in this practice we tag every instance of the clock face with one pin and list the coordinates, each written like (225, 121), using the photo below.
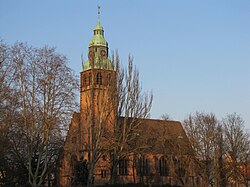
(103, 53)
(91, 55)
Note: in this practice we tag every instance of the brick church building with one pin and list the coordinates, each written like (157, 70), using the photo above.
(162, 154)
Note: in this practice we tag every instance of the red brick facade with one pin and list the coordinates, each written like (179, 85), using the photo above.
(156, 164)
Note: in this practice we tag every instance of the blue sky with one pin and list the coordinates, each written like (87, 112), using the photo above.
(194, 55)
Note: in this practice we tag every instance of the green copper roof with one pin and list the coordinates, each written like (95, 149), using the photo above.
(98, 64)
(99, 61)
(98, 26)
(98, 38)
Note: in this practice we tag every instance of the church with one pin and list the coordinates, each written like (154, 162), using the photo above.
(158, 151)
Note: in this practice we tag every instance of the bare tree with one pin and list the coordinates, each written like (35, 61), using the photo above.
(219, 157)
(132, 106)
(220, 147)
(237, 142)
(201, 129)
(8, 94)
(12, 168)
(7, 71)
(47, 95)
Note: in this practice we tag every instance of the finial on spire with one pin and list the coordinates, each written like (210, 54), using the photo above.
(99, 7)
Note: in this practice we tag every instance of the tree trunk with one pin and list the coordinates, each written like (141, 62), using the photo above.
(91, 175)
(113, 175)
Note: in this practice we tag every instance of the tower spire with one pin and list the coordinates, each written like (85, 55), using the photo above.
(99, 7)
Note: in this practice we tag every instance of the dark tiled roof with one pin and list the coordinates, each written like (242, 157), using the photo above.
(163, 136)
(153, 136)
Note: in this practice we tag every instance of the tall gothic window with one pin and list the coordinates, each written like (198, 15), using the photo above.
(180, 171)
(143, 166)
(99, 78)
(123, 166)
(103, 173)
(84, 80)
(163, 166)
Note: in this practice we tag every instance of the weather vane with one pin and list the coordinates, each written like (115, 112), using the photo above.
(99, 7)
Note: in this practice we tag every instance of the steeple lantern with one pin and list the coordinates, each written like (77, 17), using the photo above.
(98, 50)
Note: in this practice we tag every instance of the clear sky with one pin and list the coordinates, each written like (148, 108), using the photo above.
(194, 55)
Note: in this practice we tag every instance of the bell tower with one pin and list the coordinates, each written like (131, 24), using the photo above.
(97, 88)
(91, 130)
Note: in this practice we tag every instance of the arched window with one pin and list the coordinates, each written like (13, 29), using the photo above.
(104, 173)
(99, 78)
(143, 166)
(84, 80)
(123, 166)
(163, 167)
(180, 171)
